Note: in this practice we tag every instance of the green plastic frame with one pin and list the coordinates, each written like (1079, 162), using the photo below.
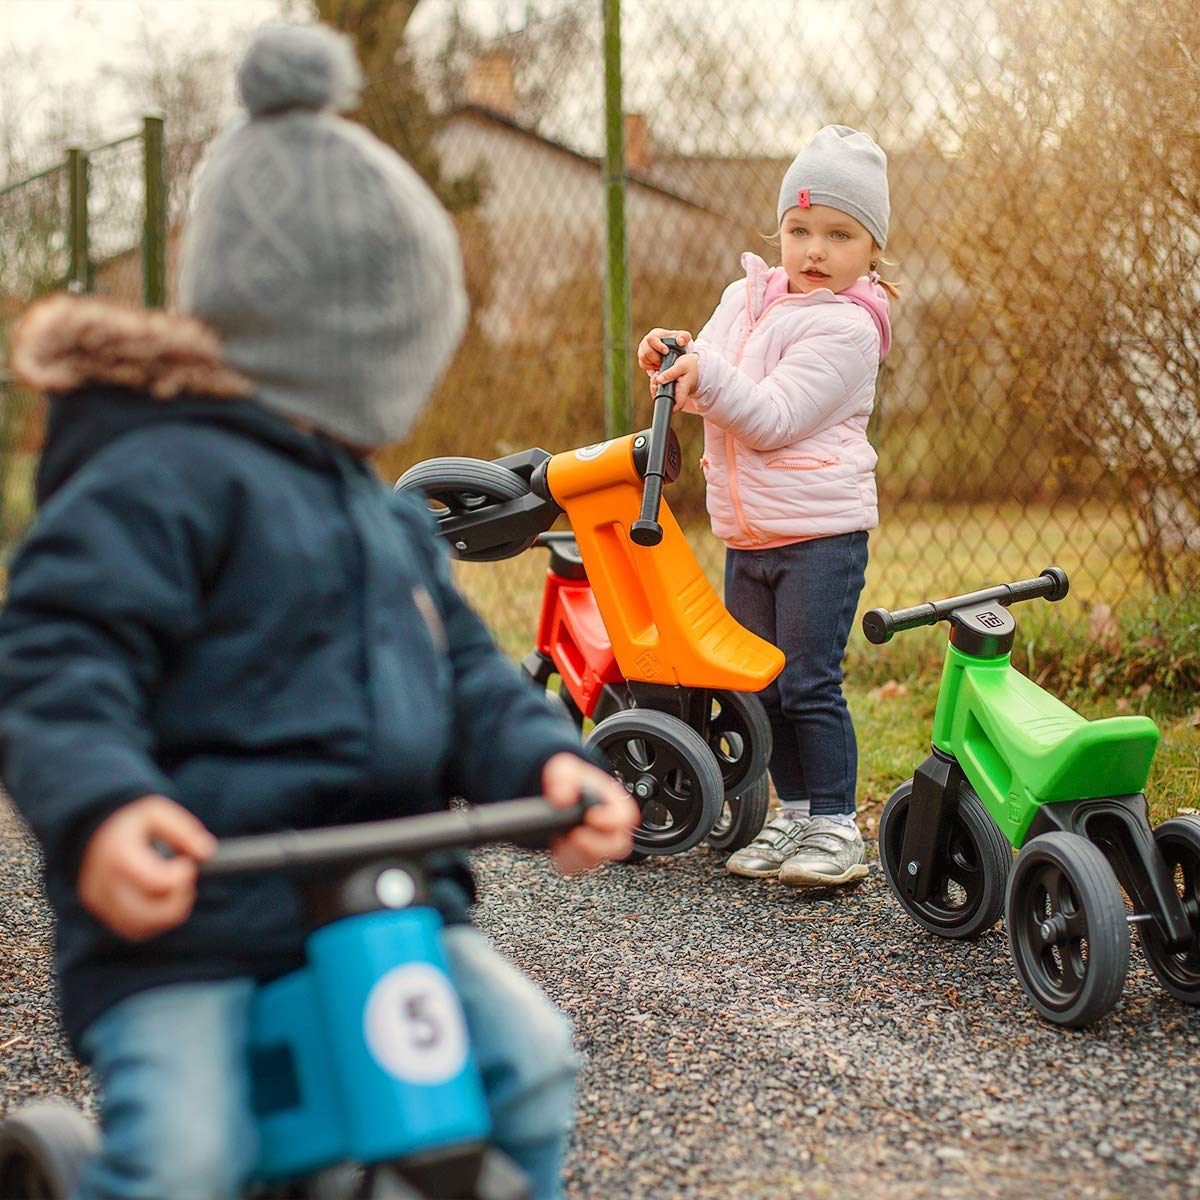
(1021, 748)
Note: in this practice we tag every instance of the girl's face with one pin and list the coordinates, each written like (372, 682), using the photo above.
(823, 247)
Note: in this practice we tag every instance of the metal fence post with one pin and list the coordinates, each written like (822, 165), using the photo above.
(3, 460)
(154, 232)
(79, 267)
(618, 408)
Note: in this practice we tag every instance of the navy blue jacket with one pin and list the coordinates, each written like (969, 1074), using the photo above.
(217, 607)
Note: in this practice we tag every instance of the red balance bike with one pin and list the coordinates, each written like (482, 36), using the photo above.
(641, 644)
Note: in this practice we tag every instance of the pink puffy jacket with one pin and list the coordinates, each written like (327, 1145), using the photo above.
(786, 386)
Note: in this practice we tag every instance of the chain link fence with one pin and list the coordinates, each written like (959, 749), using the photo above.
(94, 223)
(1040, 403)
(34, 256)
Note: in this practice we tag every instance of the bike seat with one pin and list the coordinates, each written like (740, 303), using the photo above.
(720, 651)
(1010, 722)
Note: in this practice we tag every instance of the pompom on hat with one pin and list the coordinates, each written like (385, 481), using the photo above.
(299, 66)
(328, 268)
(844, 169)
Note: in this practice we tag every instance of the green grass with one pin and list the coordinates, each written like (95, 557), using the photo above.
(16, 492)
(1143, 656)
(1111, 635)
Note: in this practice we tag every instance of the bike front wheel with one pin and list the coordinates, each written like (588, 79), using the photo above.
(1067, 929)
(968, 891)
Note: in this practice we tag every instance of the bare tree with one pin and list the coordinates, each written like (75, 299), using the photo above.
(190, 83)
(1078, 225)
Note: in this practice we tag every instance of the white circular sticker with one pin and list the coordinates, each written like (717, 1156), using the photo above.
(413, 1025)
(593, 451)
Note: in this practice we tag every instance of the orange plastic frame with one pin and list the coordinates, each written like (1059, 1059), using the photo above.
(666, 623)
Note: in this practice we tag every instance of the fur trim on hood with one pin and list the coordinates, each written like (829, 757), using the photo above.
(64, 342)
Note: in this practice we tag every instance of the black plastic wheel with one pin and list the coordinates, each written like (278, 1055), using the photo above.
(739, 735)
(667, 768)
(455, 487)
(1067, 928)
(1179, 841)
(968, 892)
(741, 817)
(43, 1148)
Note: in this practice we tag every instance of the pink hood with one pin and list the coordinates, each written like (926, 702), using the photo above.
(874, 299)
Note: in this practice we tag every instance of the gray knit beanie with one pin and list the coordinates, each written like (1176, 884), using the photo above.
(328, 268)
(844, 169)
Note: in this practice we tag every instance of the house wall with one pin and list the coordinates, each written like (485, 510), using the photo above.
(543, 220)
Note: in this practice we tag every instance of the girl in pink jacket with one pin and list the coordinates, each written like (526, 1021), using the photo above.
(784, 375)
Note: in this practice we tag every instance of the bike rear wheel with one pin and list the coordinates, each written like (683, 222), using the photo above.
(668, 769)
(1179, 973)
(968, 891)
(741, 817)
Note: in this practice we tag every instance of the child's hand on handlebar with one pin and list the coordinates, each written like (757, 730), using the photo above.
(686, 372)
(652, 347)
(607, 831)
(125, 880)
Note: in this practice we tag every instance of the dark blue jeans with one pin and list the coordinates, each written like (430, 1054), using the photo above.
(802, 597)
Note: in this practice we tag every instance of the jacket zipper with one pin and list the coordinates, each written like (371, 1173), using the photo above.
(731, 461)
(802, 462)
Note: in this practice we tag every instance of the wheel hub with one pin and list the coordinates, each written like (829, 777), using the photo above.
(1053, 930)
(646, 788)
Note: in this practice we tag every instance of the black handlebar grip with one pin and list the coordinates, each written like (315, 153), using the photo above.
(1062, 585)
(569, 819)
(674, 352)
(880, 625)
(646, 531)
(527, 822)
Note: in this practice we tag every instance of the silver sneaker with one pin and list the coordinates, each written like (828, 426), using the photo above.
(777, 841)
(828, 853)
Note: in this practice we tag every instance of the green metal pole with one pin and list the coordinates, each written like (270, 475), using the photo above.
(154, 232)
(618, 388)
(79, 268)
(5, 416)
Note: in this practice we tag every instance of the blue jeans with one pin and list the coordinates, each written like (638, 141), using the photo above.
(176, 1113)
(802, 597)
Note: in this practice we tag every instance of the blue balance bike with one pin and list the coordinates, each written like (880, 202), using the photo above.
(1011, 767)
(363, 1080)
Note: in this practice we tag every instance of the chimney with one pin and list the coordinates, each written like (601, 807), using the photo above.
(490, 83)
(639, 153)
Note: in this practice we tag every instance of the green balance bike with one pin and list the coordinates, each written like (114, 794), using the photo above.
(1013, 767)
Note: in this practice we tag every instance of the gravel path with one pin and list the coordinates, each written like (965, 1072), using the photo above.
(743, 1040)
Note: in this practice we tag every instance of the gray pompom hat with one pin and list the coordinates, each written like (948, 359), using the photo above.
(844, 169)
(328, 268)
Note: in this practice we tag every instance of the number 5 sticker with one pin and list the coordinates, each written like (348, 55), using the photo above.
(414, 1026)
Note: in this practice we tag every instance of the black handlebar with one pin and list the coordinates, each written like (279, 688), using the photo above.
(532, 823)
(646, 531)
(879, 625)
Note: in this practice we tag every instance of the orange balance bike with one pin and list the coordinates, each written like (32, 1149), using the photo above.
(641, 644)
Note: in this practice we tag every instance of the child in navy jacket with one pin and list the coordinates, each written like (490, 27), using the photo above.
(223, 623)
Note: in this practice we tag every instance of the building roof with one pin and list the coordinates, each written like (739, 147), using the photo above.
(646, 179)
